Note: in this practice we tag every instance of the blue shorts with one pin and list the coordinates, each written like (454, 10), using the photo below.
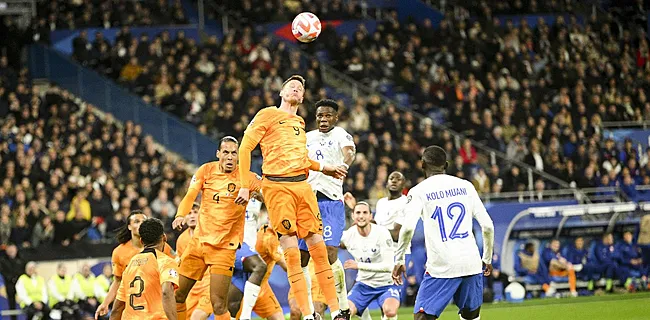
(239, 278)
(435, 294)
(242, 253)
(362, 295)
(333, 214)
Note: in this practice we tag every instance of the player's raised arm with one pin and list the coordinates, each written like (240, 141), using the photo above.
(487, 228)
(196, 185)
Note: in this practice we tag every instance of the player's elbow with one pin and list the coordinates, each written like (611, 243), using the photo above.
(168, 292)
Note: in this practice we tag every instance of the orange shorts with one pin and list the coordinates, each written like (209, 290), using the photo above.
(199, 297)
(199, 256)
(292, 207)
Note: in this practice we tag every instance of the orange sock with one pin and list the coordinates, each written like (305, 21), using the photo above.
(545, 287)
(181, 311)
(572, 280)
(324, 274)
(297, 279)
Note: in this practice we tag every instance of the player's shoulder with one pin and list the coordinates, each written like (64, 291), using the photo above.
(267, 112)
(381, 231)
(121, 249)
(340, 132)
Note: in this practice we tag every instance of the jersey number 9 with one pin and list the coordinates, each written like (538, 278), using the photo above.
(136, 295)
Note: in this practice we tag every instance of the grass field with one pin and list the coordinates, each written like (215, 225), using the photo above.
(619, 307)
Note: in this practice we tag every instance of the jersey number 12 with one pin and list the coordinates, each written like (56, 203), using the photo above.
(454, 234)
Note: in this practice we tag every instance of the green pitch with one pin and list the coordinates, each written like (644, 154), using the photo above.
(620, 306)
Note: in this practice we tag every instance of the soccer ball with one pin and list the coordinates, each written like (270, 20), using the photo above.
(306, 27)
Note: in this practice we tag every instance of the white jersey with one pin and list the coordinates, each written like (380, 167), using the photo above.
(374, 254)
(387, 211)
(446, 205)
(327, 148)
(252, 222)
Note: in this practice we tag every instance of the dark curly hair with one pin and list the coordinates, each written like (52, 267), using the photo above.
(123, 233)
(327, 103)
(151, 231)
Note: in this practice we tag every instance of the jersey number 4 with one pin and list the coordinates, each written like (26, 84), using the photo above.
(136, 295)
(454, 234)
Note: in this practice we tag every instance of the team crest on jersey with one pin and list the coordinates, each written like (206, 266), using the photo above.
(349, 137)
(389, 242)
(286, 224)
(231, 187)
(193, 179)
(409, 198)
(173, 273)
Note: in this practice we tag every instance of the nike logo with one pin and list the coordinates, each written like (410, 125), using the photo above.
(208, 182)
(328, 278)
(282, 122)
(294, 281)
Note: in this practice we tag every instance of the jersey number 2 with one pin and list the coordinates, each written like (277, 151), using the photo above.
(136, 295)
(454, 234)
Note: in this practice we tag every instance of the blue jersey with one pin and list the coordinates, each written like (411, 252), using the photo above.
(548, 255)
(605, 254)
(576, 256)
(519, 268)
(627, 252)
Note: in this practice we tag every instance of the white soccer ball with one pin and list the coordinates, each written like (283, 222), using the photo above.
(306, 27)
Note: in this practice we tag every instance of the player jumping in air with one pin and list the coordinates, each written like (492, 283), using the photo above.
(220, 230)
(446, 205)
(291, 203)
(128, 237)
(372, 248)
(198, 300)
(330, 145)
(150, 278)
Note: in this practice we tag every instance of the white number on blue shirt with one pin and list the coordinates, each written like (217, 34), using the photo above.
(454, 234)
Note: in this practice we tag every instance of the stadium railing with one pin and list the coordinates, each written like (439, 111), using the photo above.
(357, 90)
(175, 134)
(586, 195)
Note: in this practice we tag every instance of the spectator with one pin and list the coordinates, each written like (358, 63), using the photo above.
(83, 290)
(103, 283)
(11, 268)
(468, 153)
(63, 230)
(31, 293)
(481, 181)
(131, 71)
(80, 207)
(20, 233)
(162, 207)
(43, 232)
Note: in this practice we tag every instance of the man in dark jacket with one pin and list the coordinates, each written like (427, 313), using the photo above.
(11, 267)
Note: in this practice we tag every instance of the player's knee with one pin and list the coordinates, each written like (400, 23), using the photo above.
(181, 295)
(295, 313)
(218, 304)
(469, 315)
(332, 254)
(313, 239)
(260, 268)
(390, 312)
(199, 315)
(320, 307)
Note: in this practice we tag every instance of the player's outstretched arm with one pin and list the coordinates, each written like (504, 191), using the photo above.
(349, 153)
(168, 300)
(412, 214)
(185, 207)
(118, 308)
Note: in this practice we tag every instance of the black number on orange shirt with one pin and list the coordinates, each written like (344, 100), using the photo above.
(297, 130)
(136, 295)
(215, 197)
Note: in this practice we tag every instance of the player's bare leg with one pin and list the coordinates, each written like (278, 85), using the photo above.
(185, 285)
(353, 307)
(323, 270)
(199, 315)
(219, 285)
(424, 316)
(257, 269)
(389, 309)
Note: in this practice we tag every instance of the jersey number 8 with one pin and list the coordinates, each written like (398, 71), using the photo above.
(136, 295)
(454, 234)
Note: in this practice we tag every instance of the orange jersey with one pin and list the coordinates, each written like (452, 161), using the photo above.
(221, 221)
(141, 287)
(283, 141)
(123, 254)
(181, 243)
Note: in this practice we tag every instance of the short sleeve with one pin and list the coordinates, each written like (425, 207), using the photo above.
(257, 127)
(412, 211)
(118, 267)
(121, 292)
(168, 271)
(198, 179)
(255, 182)
(169, 251)
(345, 139)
